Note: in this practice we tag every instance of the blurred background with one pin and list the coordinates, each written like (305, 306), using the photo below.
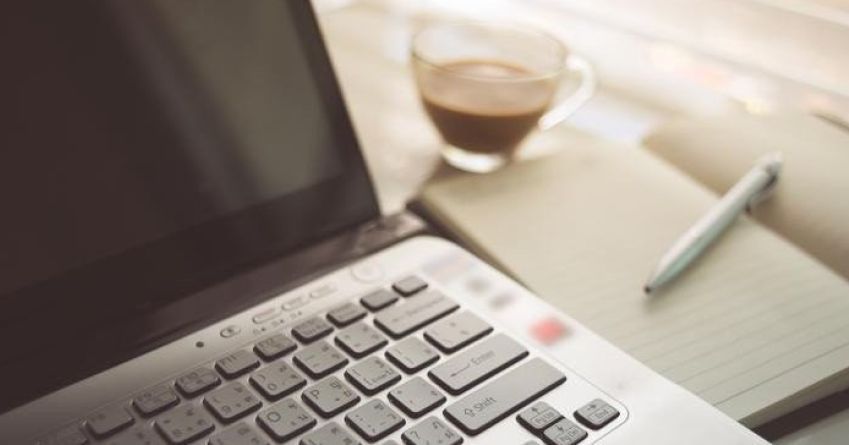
(656, 60)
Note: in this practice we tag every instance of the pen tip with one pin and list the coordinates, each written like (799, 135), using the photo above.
(647, 289)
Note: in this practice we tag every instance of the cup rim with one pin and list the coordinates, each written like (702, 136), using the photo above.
(562, 49)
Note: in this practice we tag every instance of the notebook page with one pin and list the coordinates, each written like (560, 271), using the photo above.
(809, 211)
(755, 323)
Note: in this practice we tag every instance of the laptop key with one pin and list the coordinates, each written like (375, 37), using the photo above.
(564, 432)
(140, 435)
(285, 420)
(374, 420)
(197, 381)
(596, 414)
(346, 314)
(320, 359)
(330, 434)
(237, 363)
(486, 406)
(538, 417)
(431, 431)
(477, 363)
(232, 402)
(330, 397)
(108, 421)
(411, 355)
(155, 400)
(416, 313)
(311, 330)
(372, 375)
(239, 434)
(457, 331)
(274, 347)
(416, 397)
(184, 424)
(360, 339)
(379, 299)
(409, 285)
(277, 380)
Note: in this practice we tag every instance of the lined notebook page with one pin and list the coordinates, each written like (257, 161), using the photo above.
(716, 150)
(754, 327)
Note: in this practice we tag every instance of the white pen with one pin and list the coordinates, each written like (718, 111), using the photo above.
(752, 188)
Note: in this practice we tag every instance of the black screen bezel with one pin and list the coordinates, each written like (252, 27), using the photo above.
(139, 283)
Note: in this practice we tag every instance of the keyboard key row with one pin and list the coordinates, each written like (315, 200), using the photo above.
(286, 420)
(415, 398)
(543, 420)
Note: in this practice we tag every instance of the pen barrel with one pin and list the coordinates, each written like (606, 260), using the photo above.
(698, 237)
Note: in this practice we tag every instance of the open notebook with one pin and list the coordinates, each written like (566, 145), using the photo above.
(757, 327)
(811, 207)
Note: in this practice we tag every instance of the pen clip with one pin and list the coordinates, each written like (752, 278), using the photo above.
(771, 164)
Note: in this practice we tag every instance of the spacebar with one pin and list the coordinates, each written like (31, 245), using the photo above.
(485, 407)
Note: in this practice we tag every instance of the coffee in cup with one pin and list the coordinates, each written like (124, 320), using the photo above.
(486, 87)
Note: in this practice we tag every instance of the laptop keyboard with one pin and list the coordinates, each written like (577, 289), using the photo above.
(293, 384)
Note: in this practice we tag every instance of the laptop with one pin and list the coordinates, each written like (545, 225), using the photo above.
(191, 252)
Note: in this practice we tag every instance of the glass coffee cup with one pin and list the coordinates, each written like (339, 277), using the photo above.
(487, 86)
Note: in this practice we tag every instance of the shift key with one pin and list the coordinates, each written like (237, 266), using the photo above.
(416, 313)
(509, 393)
(478, 363)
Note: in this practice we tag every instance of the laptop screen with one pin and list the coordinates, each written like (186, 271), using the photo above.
(149, 149)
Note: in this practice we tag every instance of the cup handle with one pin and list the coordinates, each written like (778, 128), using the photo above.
(578, 98)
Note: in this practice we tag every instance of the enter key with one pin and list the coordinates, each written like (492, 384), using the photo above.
(478, 363)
